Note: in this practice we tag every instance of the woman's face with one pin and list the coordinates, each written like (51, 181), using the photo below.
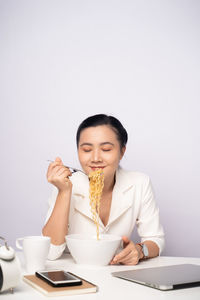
(99, 148)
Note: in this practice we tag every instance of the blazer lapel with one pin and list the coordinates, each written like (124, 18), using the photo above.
(122, 199)
(81, 200)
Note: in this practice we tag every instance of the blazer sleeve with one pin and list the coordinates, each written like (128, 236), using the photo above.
(55, 251)
(148, 221)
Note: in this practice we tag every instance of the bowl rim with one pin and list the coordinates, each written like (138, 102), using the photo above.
(91, 237)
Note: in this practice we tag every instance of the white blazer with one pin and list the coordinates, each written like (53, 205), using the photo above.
(132, 204)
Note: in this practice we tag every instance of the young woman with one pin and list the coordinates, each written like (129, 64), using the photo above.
(127, 197)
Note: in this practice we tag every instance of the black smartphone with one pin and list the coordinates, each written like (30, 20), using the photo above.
(59, 278)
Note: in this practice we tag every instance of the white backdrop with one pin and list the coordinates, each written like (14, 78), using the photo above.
(64, 60)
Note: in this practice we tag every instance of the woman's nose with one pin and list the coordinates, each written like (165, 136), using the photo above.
(96, 156)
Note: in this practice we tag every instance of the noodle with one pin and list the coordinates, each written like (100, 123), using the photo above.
(96, 187)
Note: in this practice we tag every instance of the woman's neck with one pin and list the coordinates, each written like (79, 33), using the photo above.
(108, 186)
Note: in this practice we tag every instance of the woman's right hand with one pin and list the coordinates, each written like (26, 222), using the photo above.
(57, 174)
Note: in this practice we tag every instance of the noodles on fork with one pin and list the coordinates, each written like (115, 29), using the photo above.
(96, 187)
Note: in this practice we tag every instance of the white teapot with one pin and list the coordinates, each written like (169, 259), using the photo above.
(10, 270)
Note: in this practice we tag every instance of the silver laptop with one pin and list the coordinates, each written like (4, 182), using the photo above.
(164, 278)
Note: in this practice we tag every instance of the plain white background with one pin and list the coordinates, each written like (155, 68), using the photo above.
(62, 61)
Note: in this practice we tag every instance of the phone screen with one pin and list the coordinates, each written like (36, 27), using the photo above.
(59, 277)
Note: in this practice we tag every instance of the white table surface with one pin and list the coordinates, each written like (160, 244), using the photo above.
(109, 287)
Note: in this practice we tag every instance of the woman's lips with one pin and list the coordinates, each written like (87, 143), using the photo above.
(94, 168)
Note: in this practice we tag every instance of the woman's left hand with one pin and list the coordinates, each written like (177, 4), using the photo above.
(130, 255)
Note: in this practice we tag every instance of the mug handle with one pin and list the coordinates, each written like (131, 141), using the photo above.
(18, 243)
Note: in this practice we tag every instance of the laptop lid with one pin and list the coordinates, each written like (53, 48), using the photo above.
(165, 277)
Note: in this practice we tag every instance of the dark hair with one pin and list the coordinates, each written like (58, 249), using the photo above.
(102, 119)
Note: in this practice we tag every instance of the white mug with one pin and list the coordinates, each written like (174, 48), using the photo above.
(36, 249)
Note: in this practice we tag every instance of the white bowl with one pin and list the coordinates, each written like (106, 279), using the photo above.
(87, 250)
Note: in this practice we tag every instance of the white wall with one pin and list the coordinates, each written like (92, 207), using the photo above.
(61, 61)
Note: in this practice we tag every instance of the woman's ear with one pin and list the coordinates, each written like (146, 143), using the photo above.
(123, 149)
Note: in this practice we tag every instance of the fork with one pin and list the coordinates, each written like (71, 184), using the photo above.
(73, 170)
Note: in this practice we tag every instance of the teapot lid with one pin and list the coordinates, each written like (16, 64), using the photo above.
(6, 253)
